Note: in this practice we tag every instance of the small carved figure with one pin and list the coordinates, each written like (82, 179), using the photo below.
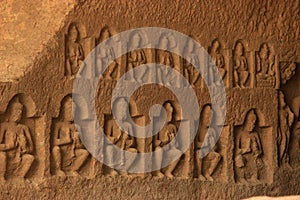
(120, 138)
(206, 151)
(265, 64)
(16, 146)
(105, 55)
(189, 71)
(68, 152)
(136, 57)
(248, 150)
(165, 57)
(286, 119)
(240, 69)
(74, 52)
(163, 138)
(218, 59)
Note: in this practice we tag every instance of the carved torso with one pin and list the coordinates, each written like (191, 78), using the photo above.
(240, 63)
(137, 57)
(165, 58)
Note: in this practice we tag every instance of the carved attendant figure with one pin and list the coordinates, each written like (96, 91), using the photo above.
(16, 144)
(248, 149)
(136, 57)
(120, 138)
(208, 147)
(286, 119)
(74, 52)
(217, 59)
(265, 66)
(240, 68)
(105, 55)
(163, 138)
(68, 151)
(189, 72)
(165, 57)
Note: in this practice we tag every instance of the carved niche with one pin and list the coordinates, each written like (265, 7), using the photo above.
(253, 150)
(267, 70)
(120, 138)
(20, 131)
(77, 47)
(103, 55)
(67, 152)
(206, 146)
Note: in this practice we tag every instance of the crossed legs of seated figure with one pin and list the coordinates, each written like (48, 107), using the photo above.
(21, 169)
(80, 156)
(248, 172)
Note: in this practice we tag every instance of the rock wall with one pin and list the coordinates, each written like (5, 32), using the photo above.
(255, 47)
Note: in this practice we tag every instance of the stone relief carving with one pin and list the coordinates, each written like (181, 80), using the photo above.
(286, 119)
(189, 72)
(248, 150)
(249, 69)
(294, 142)
(266, 76)
(105, 54)
(266, 67)
(287, 70)
(218, 59)
(74, 51)
(136, 58)
(164, 137)
(240, 65)
(68, 153)
(206, 166)
(16, 144)
(165, 57)
(120, 138)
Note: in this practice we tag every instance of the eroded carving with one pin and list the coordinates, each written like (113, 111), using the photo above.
(68, 152)
(189, 71)
(104, 55)
(286, 119)
(218, 59)
(165, 57)
(74, 51)
(240, 66)
(136, 57)
(120, 138)
(287, 70)
(164, 137)
(265, 67)
(248, 149)
(294, 149)
(206, 166)
(16, 145)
